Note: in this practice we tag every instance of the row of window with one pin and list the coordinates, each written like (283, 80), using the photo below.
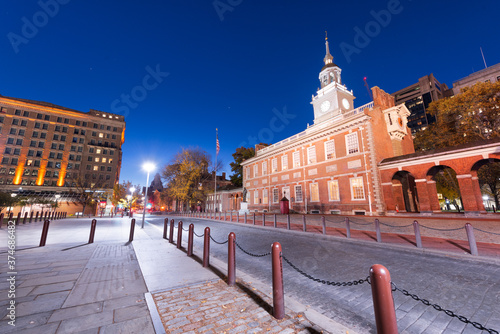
(352, 146)
(50, 183)
(356, 186)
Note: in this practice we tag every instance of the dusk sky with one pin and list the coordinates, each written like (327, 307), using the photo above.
(180, 69)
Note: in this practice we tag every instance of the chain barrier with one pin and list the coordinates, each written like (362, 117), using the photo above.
(358, 223)
(187, 229)
(475, 228)
(447, 312)
(199, 236)
(251, 254)
(333, 221)
(360, 281)
(396, 225)
(220, 243)
(443, 229)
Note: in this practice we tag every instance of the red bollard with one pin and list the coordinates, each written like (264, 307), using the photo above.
(18, 218)
(254, 218)
(304, 227)
(263, 219)
(1, 219)
(45, 232)
(206, 248)
(383, 303)
(36, 216)
(132, 227)
(46, 213)
(171, 235)
(278, 294)
(275, 221)
(11, 214)
(25, 217)
(323, 224)
(190, 240)
(179, 234)
(92, 231)
(231, 259)
(165, 224)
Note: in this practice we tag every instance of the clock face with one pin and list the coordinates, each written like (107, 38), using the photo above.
(345, 103)
(325, 106)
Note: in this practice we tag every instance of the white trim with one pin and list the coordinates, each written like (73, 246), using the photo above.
(464, 176)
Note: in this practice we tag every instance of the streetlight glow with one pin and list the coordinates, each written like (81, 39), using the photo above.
(148, 167)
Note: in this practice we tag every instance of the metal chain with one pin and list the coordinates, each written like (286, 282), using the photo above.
(220, 243)
(248, 253)
(358, 223)
(360, 281)
(187, 230)
(333, 221)
(199, 236)
(447, 312)
(442, 229)
(475, 228)
(396, 225)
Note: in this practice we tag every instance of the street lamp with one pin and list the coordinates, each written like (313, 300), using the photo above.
(148, 167)
(132, 189)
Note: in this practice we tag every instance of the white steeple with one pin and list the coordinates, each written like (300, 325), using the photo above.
(328, 58)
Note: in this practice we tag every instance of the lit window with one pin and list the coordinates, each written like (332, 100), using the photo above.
(333, 190)
(357, 189)
(101, 135)
(314, 192)
(296, 159)
(255, 170)
(96, 159)
(256, 197)
(284, 162)
(98, 151)
(264, 168)
(275, 165)
(96, 167)
(265, 199)
(103, 159)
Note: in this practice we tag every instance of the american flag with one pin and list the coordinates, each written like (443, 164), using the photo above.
(217, 142)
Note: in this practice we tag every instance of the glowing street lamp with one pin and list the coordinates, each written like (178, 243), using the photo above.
(148, 167)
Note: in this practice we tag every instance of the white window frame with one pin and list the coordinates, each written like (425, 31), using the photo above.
(284, 162)
(255, 170)
(355, 182)
(265, 198)
(316, 186)
(335, 185)
(351, 143)
(248, 172)
(330, 144)
(256, 197)
(274, 164)
(276, 195)
(296, 159)
(264, 168)
(311, 155)
(301, 193)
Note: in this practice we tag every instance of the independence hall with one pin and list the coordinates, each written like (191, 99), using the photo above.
(48, 150)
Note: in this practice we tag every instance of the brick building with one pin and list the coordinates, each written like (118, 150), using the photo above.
(331, 167)
(46, 149)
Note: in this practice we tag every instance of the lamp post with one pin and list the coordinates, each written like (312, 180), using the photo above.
(148, 167)
(132, 189)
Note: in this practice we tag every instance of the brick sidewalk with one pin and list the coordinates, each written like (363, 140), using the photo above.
(219, 308)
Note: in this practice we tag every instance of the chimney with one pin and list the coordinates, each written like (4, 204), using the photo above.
(224, 176)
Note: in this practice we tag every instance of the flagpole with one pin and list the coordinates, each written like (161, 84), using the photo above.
(215, 178)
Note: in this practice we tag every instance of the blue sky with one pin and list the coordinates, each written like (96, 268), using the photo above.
(248, 68)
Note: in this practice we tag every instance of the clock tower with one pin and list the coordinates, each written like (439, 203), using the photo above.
(333, 98)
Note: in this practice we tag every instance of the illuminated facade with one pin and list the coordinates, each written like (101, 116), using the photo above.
(48, 149)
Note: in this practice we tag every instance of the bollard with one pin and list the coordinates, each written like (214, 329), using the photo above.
(25, 217)
(245, 218)
(11, 215)
(46, 213)
(237, 217)
(231, 216)
(171, 234)
(220, 213)
(92, 231)
(36, 217)
(206, 248)
(347, 228)
(383, 303)
(45, 232)
(263, 219)
(275, 221)
(254, 218)
(472, 240)
(225, 214)
(304, 227)
(132, 227)
(287, 222)
(278, 294)
(323, 224)
(18, 218)
(418, 239)
(377, 230)
(231, 259)
(190, 240)
(179, 234)
(1, 219)
(165, 226)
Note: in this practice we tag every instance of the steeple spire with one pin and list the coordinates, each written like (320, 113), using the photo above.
(328, 58)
